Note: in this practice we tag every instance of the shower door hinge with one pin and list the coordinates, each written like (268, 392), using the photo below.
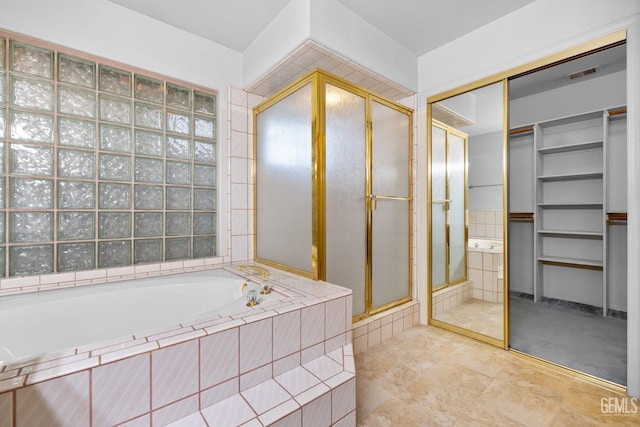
(374, 203)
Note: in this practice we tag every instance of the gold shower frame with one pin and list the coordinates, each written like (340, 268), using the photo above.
(318, 79)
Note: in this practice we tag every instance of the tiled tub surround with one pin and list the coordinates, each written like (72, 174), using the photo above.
(175, 298)
(282, 361)
(485, 268)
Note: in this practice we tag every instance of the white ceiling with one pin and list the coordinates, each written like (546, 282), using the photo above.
(231, 23)
(418, 25)
(424, 25)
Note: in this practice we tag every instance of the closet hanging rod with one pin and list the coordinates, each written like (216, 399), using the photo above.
(521, 216)
(618, 111)
(521, 130)
(616, 218)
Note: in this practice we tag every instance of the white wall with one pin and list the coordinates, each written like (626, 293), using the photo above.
(335, 27)
(485, 170)
(594, 94)
(282, 36)
(107, 30)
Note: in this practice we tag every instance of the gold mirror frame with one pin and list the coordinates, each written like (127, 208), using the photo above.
(504, 76)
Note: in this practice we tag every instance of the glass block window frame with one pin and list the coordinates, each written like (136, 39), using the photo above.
(101, 165)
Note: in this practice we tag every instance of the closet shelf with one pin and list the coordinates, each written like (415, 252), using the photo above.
(576, 118)
(570, 147)
(570, 176)
(569, 233)
(574, 205)
(571, 262)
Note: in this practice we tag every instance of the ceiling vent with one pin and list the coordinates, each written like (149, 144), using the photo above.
(583, 73)
(449, 117)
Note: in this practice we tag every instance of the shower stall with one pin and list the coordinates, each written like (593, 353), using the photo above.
(333, 189)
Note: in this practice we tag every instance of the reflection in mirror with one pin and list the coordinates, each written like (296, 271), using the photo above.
(466, 212)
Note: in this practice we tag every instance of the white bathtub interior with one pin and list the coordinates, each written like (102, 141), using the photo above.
(44, 322)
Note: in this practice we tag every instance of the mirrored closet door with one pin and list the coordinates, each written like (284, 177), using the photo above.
(466, 157)
(567, 213)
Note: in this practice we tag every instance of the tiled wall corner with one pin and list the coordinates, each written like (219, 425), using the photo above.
(240, 175)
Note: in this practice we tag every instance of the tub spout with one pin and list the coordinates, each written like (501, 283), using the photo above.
(261, 270)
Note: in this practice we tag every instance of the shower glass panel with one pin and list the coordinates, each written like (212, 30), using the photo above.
(457, 206)
(284, 179)
(439, 251)
(391, 215)
(345, 204)
(333, 189)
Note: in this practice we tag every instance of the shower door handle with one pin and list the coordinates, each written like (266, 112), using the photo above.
(374, 198)
(445, 202)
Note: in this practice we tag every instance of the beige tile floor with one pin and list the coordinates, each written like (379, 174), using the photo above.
(477, 315)
(428, 376)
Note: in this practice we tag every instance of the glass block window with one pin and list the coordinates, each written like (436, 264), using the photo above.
(101, 165)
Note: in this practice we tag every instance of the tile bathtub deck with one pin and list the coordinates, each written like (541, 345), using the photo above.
(427, 376)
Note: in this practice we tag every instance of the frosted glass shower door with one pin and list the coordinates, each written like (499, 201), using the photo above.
(391, 203)
(345, 205)
(439, 206)
(448, 206)
(456, 165)
(284, 170)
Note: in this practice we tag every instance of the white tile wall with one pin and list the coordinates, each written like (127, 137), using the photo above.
(174, 373)
(485, 224)
(6, 410)
(311, 55)
(70, 408)
(286, 334)
(219, 359)
(312, 325)
(256, 345)
(484, 270)
(240, 149)
(175, 411)
(124, 385)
